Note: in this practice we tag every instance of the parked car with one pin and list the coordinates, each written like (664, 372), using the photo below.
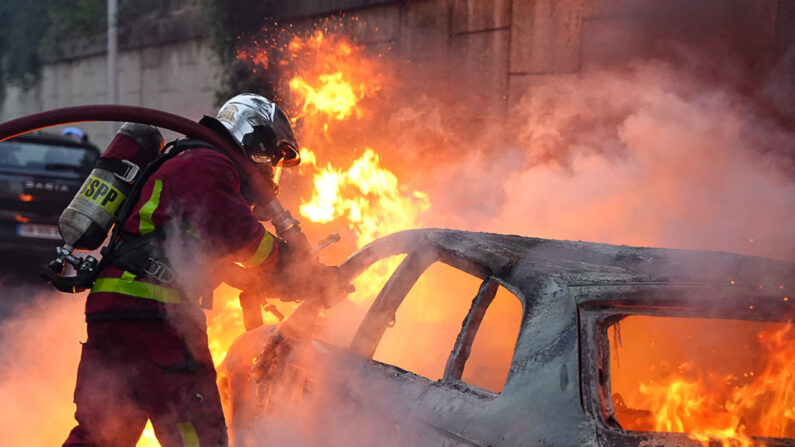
(39, 174)
(565, 385)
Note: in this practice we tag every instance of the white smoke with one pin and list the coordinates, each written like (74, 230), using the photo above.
(671, 162)
(644, 155)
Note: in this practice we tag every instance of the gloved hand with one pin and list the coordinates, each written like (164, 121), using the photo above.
(297, 276)
(301, 276)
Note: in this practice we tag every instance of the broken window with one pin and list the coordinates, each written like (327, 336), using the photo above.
(428, 321)
(492, 350)
(710, 378)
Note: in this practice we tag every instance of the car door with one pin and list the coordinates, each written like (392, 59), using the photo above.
(437, 399)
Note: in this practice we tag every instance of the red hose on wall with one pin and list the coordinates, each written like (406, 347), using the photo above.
(68, 115)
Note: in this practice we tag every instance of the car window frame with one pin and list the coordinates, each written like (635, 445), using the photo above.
(382, 312)
(607, 304)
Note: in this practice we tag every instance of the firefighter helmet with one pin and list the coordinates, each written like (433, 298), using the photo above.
(261, 129)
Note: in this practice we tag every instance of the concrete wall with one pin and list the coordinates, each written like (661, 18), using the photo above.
(178, 78)
(171, 68)
(498, 49)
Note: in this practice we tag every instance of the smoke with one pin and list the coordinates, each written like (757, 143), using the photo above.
(648, 153)
(686, 144)
(337, 415)
(335, 402)
(677, 132)
(650, 156)
(38, 367)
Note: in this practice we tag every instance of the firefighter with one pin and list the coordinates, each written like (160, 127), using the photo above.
(147, 353)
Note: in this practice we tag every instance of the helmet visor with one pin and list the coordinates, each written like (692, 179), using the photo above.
(284, 156)
(263, 148)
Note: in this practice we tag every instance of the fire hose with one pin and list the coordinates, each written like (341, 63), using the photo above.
(299, 326)
(263, 190)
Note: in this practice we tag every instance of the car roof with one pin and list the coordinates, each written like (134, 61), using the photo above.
(53, 139)
(515, 258)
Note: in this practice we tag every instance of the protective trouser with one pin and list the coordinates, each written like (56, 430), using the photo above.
(133, 370)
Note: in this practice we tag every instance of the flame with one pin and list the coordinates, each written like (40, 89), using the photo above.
(148, 438)
(332, 80)
(332, 83)
(334, 96)
(727, 407)
(368, 196)
(334, 77)
(308, 158)
(225, 323)
(372, 203)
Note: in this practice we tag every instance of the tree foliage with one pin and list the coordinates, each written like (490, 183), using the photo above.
(20, 36)
(30, 27)
(233, 23)
(33, 27)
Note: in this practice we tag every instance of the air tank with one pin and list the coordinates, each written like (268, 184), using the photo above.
(85, 223)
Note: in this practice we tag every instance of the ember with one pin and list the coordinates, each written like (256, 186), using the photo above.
(332, 77)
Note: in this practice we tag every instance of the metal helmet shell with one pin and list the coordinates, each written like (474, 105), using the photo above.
(261, 129)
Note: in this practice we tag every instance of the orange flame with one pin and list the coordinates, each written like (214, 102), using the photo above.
(148, 438)
(334, 77)
(332, 80)
(728, 408)
(370, 199)
(368, 196)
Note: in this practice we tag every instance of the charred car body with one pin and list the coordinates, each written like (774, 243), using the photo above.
(563, 388)
(39, 175)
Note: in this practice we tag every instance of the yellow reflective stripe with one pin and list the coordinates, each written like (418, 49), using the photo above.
(264, 249)
(128, 275)
(189, 436)
(137, 289)
(147, 226)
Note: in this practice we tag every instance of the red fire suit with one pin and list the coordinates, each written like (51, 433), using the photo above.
(147, 354)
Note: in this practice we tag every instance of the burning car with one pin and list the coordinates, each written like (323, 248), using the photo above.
(615, 345)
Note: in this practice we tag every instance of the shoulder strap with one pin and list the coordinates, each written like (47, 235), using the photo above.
(169, 151)
(140, 255)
